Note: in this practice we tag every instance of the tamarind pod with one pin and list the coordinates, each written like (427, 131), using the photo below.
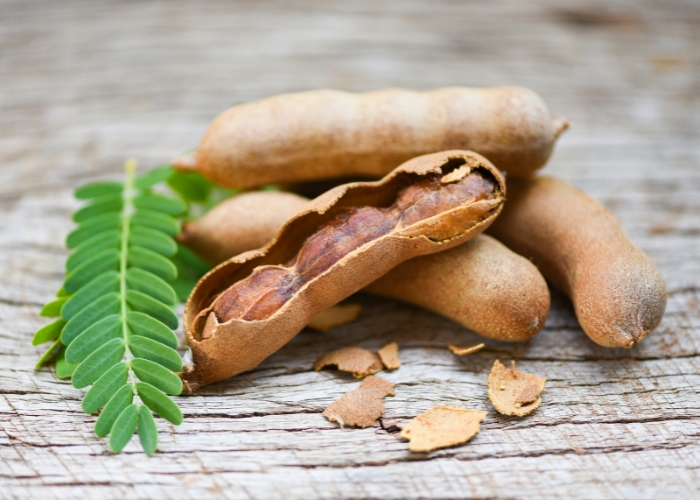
(618, 293)
(325, 134)
(323, 244)
(480, 284)
(240, 223)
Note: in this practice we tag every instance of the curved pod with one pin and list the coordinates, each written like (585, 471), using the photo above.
(618, 293)
(224, 344)
(326, 134)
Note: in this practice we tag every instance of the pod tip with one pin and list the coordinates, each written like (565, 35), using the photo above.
(187, 161)
(560, 124)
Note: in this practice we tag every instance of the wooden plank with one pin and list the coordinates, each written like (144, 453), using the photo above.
(85, 84)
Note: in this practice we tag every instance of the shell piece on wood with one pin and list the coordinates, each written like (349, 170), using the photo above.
(513, 392)
(360, 362)
(389, 354)
(441, 427)
(463, 350)
(361, 407)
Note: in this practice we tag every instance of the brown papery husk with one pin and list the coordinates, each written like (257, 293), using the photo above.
(481, 284)
(238, 345)
(327, 134)
(618, 292)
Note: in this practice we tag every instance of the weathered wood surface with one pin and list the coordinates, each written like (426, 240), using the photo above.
(85, 84)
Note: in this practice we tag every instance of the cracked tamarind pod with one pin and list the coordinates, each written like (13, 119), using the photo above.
(618, 293)
(481, 284)
(330, 134)
(248, 307)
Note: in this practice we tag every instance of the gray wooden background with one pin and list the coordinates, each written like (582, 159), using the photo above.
(84, 84)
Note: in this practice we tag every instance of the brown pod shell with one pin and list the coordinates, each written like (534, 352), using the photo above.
(240, 223)
(221, 350)
(481, 285)
(326, 134)
(618, 292)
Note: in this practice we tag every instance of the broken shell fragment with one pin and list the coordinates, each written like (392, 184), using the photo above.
(463, 350)
(441, 427)
(360, 362)
(389, 354)
(513, 392)
(361, 407)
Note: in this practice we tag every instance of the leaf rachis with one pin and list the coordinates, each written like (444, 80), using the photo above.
(127, 212)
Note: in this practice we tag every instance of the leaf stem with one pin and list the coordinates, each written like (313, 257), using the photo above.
(127, 212)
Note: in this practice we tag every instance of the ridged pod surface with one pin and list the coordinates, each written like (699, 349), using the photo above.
(481, 284)
(251, 305)
(618, 292)
(328, 134)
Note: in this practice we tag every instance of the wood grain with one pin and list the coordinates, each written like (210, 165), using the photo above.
(85, 84)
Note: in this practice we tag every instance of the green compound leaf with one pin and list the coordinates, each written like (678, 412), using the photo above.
(97, 189)
(98, 363)
(94, 337)
(64, 369)
(145, 326)
(159, 403)
(148, 432)
(152, 239)
(152, 262)
(159, 203)
(50, 352)
(121, 399)
(87, 249)
(124, 428)
(140, 302)
(105, 306)
(85, 297)
(155, 176)
(183, 286)
(99, 206)
(191, 260)
(191, 186)
(53, 308)
(156, 220)
(150, 284)
(190, 268)
(105, 387)
(106, 260)
(159, 377)
(91, 227)
(49, 332)
(114, 312)
(143, 347)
